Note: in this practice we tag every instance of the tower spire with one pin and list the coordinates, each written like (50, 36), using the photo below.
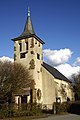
(28, 29)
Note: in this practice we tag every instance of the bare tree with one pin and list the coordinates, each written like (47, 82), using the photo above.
(76, 81)
(14, 77)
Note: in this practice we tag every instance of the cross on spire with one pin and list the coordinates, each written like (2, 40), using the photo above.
(28, 11)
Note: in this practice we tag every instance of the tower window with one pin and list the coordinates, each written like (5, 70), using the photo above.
(14, 48)
(38, 56)
(20, 45)
(32, 43)
(32, 52)
(22, 55)
(26, 45)
(39, 44)
(36, 42)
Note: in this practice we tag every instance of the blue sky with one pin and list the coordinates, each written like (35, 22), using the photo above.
(56, 22)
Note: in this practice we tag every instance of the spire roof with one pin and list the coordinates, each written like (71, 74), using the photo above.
(28, 30)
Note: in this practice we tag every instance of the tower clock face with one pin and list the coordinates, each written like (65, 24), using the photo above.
(39, 94)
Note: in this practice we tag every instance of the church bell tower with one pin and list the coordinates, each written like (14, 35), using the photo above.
(28, 51)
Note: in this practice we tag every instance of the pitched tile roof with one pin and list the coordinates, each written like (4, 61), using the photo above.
(55, 72)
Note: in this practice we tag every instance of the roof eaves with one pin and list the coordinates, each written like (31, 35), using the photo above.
(22, 37)
(38, 39)
(27, 36)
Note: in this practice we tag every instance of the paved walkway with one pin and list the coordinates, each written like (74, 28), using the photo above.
(61, 117)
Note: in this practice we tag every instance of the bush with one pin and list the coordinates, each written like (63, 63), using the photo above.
(34, 109)
(25, 110)
(6, 110)
(70, 107)
(75, 108)
(6, 113)
(62, 107)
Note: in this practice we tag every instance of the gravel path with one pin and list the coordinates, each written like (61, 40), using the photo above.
(61, 117)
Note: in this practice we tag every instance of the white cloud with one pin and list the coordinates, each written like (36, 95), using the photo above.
(77, 61)
(6, 58)
(68, 70)
(57, 57)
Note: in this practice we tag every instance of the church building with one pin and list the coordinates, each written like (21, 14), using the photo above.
(50, 85)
